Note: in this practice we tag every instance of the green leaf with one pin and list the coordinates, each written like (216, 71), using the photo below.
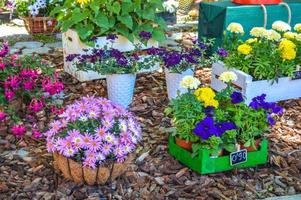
(84, 32)
(102, 21)
(116, 7)
(158, 35)
(126, 20)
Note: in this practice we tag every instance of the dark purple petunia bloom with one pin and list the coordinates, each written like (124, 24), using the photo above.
(209, 111)
(202, 46)
(112, 37)
(122, 61)
(116, 54)
(144, 35)
(223, 127)
(71, 57)
(190, 59)
(196, 52)
(257, 102)
(236, 97)
(171, 59)
(222, 52)
(152, 51)
(205, 128)
(271, 120)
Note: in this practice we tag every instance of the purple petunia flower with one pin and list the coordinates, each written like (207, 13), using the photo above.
(71, 57)
(112, 37)
(190, 59)
(205, 128)
(196, 52)
(236, 97)
(202, 46)
(144, 35)
(223, 127)
(209, 111)
(171, 59)
(222, 52)
(271, 119)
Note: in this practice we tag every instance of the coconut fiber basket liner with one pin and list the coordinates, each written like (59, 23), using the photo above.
(76, 172)
(204, 164)
(38, 25)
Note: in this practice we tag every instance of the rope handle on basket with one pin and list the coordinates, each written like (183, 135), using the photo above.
(265, 13)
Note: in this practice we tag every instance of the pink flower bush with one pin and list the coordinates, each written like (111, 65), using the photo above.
(30, 79)
(87, 133)
(18, 130)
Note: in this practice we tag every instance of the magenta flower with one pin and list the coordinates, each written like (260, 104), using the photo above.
(14, 81)
(36, 133)
(3, 116)
(2, 66)
(29, 85)
(18, 130)
(14, 57)
(36, 105)
(9, 95)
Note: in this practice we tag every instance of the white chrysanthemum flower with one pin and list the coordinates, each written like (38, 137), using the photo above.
(170, 6)
(281, 26)
(272, 35)
(235, 28)
(297, 27)
(190, 82)
(228, 77)
(258, 32)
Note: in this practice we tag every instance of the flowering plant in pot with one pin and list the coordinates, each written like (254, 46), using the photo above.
(36, 14)
(120, 67)
(178, 64)
(93, 140)
(95, 18)
(267, 54)
(28, 87)
(220, 121)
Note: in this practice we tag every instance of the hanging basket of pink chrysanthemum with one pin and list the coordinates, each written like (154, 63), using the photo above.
(93, 140)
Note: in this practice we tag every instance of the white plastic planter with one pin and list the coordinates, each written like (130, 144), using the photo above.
(173, 81)
(284, 89)
(121, 88)
(73, 45)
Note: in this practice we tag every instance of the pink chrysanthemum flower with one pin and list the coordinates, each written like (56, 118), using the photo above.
(95, 144)
(51, 146)
(73, 133)
(56, 126)
(119, 151)
(101, 132)
(69, 152)
(106, 149)
(107, 123)
(86, 140)
(110, 138)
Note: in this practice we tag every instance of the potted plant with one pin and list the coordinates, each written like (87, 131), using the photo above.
(218, 124)
(178, 64)
(119, 67)
(267, 62)
(36, 14)
(28, 86)
(93, 140)
(88, 23)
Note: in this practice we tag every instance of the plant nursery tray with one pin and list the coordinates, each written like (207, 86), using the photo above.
(204, 164)
(285, 88)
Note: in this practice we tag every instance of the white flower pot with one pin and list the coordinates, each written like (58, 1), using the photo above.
(73, 45)
(173, 81)
(121, 88)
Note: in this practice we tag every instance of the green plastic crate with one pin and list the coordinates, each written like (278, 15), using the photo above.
(203, 164)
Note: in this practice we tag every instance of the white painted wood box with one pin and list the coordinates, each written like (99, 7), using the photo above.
(286, 88)
(73, 45)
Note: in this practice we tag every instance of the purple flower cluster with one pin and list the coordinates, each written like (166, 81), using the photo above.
(94, 129)
(112, 37)
(144, 35)
(222, 52)
(236, 97)
(271, 107)
(207, 128)
(4, 51)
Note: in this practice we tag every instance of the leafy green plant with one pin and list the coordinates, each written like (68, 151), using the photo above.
(213, 144)
(101, 17)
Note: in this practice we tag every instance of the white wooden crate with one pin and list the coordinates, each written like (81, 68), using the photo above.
(73, 45)
(284, 89)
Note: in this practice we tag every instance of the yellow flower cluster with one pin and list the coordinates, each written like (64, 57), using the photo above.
(190, 82)
(297, 28)
(258, 32)
(288, 50)
(281, 26)
(244, 49)
(206, 95)
(272, 35)
(298, 37)
(290, 35)
(83, 2)
(235, 28)
(228, 77)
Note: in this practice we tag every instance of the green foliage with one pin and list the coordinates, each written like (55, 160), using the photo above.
(186, 112)
(101, 17)
(22, 7)
(213, 144)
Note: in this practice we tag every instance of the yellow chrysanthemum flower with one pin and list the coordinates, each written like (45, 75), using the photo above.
(211, 102)
(204, 94)
(258, 32)
(286, 44)
(297, 28)
(83, 2)
(244, 49)
(235, 28)
(272, 35)
(288, 54)
(228, 77)
(290, 35)
(251, 40)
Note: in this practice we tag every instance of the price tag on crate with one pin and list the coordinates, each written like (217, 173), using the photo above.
(238, 157)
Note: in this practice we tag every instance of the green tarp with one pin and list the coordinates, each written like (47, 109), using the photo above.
(215, 16)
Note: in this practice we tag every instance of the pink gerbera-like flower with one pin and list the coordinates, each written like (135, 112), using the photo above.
(107, 123)
(73, 133)
(69, 152)
(119, 151)
(86, 140)
(9, 95)
(95, 144)
(18, 130)
(100, 157)
(36, 133)
(29, 85)
(2, 66)
(101, 132)
(56, 126)
(110, 138)
(106, 149)
(50, 146)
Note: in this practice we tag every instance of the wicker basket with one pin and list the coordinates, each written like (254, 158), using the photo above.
(74, 171)
(37, 25)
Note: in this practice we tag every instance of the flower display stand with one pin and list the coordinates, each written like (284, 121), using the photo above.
(284, 89)
(204, 164)
(73, 45)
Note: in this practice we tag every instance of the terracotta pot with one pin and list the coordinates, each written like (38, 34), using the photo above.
(257, 2)
(250, 148)
(74, 171)
(184, 144)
